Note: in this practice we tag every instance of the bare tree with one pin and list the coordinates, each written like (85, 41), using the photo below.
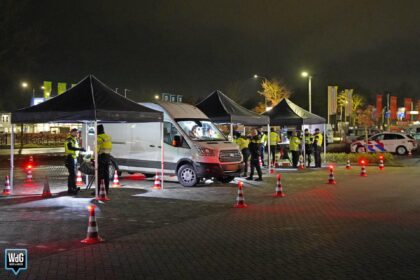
(273, 92)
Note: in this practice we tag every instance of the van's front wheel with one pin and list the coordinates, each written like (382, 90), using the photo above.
(187, 175)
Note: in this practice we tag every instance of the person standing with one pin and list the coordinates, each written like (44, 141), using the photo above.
(71, 149)
(309, 140)
(263, 139)
(317, 144)
(294, 148)
(254, 149)
(104, 148)
(243, 144)
(274, 139)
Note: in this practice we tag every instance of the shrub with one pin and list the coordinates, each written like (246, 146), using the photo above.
(341, 158)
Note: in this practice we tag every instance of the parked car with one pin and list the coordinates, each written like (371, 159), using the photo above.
(393, 142)
(353, 138)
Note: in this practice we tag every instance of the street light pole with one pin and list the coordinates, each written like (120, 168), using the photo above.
(306, 74)
(265, 98)
(125, 92)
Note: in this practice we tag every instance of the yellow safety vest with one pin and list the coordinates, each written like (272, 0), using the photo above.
(242, 143)
(104, 144)
(294, 143)
(274, 138)
(263, 139)
(309, 139)
(74, 144)
(318, 138)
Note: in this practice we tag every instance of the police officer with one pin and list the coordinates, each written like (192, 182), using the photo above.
(104, 147)
(294, 148)
(243, 144)
(309, 140)
(274, 139)
(254, 149)
(71, 149)
(318, 138)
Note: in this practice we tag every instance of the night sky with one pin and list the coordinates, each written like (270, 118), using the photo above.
(195, 47)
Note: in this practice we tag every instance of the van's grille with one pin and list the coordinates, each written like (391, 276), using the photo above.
(230, 156)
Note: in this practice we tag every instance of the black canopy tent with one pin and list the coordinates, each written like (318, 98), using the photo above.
(88, 101)
(221, 109)
(288, 113)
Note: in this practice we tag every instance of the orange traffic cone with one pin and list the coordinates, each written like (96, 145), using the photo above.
(381, 164)
(363, 171)
(301, 163)
(28, 175)
(271, 170)
(156, 184)
(240, 200)
(102, 192)
(116, 181)
(409, 153)
(46, 192)
(276, 164)
(348, 166)
(7, 189)
(331, 179)
(79, 180)
(92, 232)
(279, 187)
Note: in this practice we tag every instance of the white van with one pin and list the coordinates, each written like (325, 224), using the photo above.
(194, 149)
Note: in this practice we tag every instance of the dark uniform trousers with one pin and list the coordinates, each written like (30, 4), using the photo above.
(317, 155)
(71, 164)
(104, 161)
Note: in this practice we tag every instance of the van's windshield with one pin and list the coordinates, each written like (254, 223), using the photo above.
(201, 130)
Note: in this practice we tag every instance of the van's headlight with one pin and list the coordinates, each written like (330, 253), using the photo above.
(205, 152)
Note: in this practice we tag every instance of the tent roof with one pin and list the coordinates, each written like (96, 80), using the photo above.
(220, 108)
(288, 113)
(89, 100)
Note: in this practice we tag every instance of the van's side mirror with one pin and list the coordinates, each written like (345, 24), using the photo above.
(177, 141)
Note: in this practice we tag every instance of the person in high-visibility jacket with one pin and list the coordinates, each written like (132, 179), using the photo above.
(71, 149)
(294, 148)
(274, 139)
(309, 141)
(263, 145)
(104, 148)
(243, 143)
(318, 141)
(255, 149)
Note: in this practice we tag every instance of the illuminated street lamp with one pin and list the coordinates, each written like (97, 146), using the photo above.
(25, 85)
(306, 75)
(157, 96)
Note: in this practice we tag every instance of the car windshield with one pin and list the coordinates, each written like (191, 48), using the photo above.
(201, 130)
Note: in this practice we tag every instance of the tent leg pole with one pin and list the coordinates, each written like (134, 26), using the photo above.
(231, 132)
(162, 155)
(86, 147)
(12, 157)
(95, 145)
(325, 144)
(268, 149)
(303, 145)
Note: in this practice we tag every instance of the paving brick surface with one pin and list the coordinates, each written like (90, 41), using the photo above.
(361, 228)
